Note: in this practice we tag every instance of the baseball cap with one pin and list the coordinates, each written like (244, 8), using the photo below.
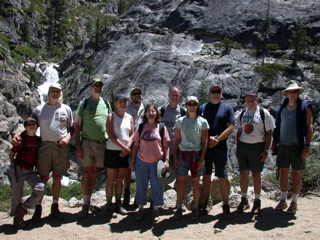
(55, 85)
(28, 120)
(96, 80)
(120, 96)
(135, 88)
(214, 86)
(251, 93)
(192, 98)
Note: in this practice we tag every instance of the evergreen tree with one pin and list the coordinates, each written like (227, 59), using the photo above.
(98, 36)
(300, 41)
(203, 91)
(25, 30)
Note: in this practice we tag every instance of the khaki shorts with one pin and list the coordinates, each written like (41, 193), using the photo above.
(52, 158)
(93, 153)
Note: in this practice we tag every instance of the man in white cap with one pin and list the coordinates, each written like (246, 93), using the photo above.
(255, 125)
(56, 128)
(90, 123)
(136, 109)
(291, 142)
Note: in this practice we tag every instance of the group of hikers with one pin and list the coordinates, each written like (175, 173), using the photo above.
(156, 143)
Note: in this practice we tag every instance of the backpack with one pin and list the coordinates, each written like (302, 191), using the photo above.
(183, 111)
(261, 115)
(161, 129)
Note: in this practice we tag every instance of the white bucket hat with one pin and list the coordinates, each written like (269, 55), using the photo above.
(292, 85)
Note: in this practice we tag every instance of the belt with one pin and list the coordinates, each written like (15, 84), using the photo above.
(96, 141)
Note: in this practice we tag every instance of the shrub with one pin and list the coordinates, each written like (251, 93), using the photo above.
(270, 71)
(73, 190)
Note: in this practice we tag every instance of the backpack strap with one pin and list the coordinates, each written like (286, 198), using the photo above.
(202, 108)
(161, 129)
(162, 110)
(183, 111)
(141, 125)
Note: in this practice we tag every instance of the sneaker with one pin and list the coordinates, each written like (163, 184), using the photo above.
(194, 214)
(37, 213)
(18, 218)
(207, 207)
(256, 209)
(178, 214)
(226, 212)
(84, 212)
(244, 205)
(55, 213)
(119, 209)
(155, 216)
(293, 208)
(110, 211)
(126, 199)
(139, 216)
(282, 205)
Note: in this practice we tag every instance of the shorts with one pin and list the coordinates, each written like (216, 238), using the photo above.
(248, 157)
(52, 158)
(220, 160)
(93, 153)
(184, 167)
(114, 161)
(290, 155)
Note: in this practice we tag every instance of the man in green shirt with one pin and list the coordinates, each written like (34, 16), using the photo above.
(90, 123)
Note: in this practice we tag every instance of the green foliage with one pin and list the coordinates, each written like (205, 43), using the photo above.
(33, 76)
(73, 190)
(270, 71)
(227, 44)
(299, 42)
(311, 174)
(317, 72)
(22, 52)
(25, 36)
(203, 91)
(90, 66)
(273, 46)
(5, 198)
(4, 40)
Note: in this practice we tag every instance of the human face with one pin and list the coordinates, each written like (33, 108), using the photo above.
(96, 88)
(174, 96)
(31, 127)
(151, 114)
(215, 95)
(54, 93)
(136, 97)
(192, 106)
(121, 104)
(251, 102)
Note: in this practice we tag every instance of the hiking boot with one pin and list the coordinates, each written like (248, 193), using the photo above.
(194, 214)
(94, 209)
(84, 212)
(126, 199)
(178, 214)
(244, 205)
(256, 209)
(155, 216)
(119, 209)
(293, 208)
(226, 212)
(110, 211)
(18, 218)
(55, 213)
(207, 207)
(37, 213)
(282, 205)
(139, 216)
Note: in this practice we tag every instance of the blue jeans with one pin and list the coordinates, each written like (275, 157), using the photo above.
(145, 172)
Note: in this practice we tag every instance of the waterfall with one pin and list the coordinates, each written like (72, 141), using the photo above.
(51, 75)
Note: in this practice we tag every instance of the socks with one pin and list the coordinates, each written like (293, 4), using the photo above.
(295, 198)
(86, 199)
(284, 195)
(244, 194)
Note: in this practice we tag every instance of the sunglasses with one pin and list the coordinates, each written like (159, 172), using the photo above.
(97, 86)
(215, 92)
(292, 92)
(192, 104)
(31, 124)
(136, 93)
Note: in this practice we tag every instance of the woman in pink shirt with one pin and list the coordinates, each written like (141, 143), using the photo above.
(148, 149)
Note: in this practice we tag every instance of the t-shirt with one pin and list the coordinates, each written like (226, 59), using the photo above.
(288, 133)
(94, 119)
(54, 121)
(136, 113)
(253, 127)
(150, 149)
(191, 132)
(169, 119)
(122, 128)
(26, 151)
(218, 116)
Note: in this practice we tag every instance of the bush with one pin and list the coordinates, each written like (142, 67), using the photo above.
(73, 190)
(311, 174)
(270, 71)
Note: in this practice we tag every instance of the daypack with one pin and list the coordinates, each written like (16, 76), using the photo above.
(261, 115)
(183, 111)
(161, 129)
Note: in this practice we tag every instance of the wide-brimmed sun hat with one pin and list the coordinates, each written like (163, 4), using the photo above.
(292, 85)
(166, 176)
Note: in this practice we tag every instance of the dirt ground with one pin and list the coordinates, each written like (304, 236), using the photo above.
(269, 224)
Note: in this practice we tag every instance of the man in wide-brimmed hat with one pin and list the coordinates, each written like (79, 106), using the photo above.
(291, 141)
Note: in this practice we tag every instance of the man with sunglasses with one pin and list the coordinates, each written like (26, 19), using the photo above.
(291, 142)
(136, 109)
(90, 123)
(220, 117)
